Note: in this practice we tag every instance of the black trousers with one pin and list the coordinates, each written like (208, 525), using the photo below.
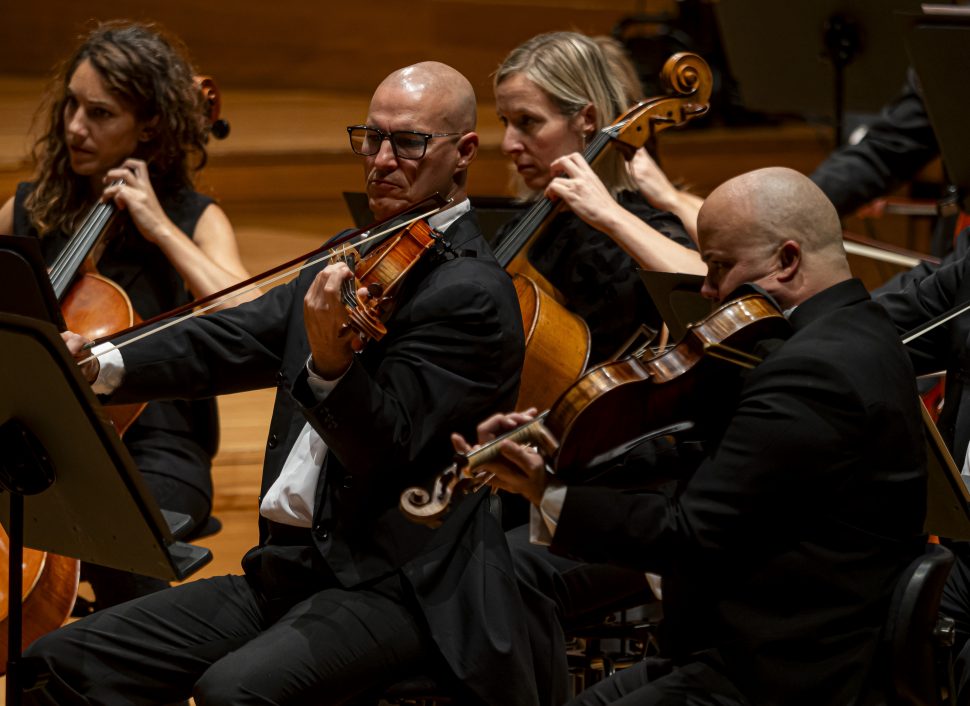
(656, 682)
(221, 641)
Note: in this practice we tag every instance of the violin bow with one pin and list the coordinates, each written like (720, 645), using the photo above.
(432, 205)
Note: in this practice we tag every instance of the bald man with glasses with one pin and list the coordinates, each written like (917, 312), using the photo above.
(342, 595)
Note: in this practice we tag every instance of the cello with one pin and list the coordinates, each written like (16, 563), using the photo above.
(558, 341)
(94, 306)
(613, 404)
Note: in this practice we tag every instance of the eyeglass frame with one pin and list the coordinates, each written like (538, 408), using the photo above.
(428, 136)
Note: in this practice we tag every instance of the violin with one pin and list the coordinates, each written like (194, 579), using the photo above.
(612, 404)
(381, 272)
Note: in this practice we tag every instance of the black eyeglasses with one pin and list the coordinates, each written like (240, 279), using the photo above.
(407, 144)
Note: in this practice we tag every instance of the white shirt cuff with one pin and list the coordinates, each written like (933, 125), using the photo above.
(544, 519)
(111, 368)
(320, 387)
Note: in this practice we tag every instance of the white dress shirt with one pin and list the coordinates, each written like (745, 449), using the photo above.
(290, 500)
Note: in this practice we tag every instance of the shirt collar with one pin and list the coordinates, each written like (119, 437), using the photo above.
(443, 220)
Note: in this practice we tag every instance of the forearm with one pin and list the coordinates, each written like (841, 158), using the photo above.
(456, 364)
(202, 275)
(231, 351)
(649, 248)
(685, 206)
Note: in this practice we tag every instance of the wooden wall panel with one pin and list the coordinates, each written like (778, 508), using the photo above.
(347, 46)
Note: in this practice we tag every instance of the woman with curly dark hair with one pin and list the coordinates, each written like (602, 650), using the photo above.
(125, 123)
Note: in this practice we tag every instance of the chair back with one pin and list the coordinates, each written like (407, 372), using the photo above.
(911, 634)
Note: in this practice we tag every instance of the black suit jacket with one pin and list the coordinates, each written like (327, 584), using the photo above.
(780, 553)
(896, 146)
(451, 357)
(916, 297)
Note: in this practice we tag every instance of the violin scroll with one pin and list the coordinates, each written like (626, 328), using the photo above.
(468, 474)
(429, 507)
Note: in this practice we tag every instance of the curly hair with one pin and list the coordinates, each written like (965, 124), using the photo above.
(150, 74)
(572, 70)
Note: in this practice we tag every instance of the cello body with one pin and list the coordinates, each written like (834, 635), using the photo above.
(49, 590)
(557, 346)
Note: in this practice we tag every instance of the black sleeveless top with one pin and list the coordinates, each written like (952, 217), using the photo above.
(154, 286)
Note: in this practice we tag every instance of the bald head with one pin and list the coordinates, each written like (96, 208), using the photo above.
(780, 227)
(437, 102)
(431, 81)
(776, 204)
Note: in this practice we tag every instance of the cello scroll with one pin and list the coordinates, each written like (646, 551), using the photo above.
(689, 81)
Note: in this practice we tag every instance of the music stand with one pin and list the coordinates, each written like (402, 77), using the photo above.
(67, 483)
(939, 50)
(776, 51)
(24, 292)
(678, 299)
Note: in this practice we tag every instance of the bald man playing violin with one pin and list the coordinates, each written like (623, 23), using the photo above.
(780, 551)
(342, 596)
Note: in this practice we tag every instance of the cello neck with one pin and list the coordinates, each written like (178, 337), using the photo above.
(79, 247)
(537, 218)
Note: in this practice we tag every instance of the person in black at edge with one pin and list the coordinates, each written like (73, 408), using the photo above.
(780, 552)
(124, 106)
(913, 299)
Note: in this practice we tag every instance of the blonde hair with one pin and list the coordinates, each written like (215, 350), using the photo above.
(622, 66)
(572, 70)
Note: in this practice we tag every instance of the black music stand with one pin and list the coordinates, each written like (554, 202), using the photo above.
(25, 290)
(678, 299)
(939, 50)
(67, 483)
(814, 57)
